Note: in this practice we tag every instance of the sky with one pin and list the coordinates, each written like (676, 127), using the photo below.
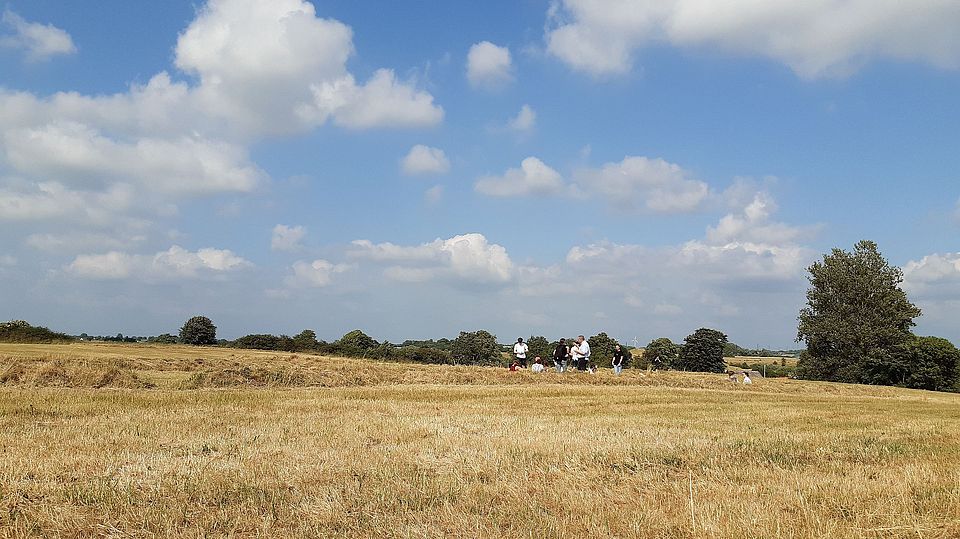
(416, 169)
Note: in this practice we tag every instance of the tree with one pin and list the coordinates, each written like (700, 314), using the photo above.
(539, 346)
(164, 338)
(702, 351)
(661, 353)
(601, 348)
(357, 339)
(929, 363)
(198, 330)
(477, 347)
(305, 340)
(856, 319)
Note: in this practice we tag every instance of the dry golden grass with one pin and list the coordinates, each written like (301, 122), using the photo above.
(392, 450)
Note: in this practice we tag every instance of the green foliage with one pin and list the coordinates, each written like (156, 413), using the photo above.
(601, 349)
(263, 341)
(539, 346)
(928, 363)
(439, 344)
(856, 318)
(358, 340)
(19, 331)
(476, 347)
(732, 350)
(305, 340)
(768, 370)
(198, 330)
(164, 338)
(661, 353)
(702, 351)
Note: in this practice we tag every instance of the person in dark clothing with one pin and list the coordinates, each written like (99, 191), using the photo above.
(561, 354)
(619, 359)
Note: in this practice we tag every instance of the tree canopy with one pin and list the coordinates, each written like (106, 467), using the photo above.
(857, 318)
(475, 347)
(198, 330)
(702, 351)
(661, 353)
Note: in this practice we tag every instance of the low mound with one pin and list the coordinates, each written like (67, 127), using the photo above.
(58, 374)
(247, 376)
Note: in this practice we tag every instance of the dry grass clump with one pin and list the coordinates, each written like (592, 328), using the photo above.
(87, 374)
(247, 376)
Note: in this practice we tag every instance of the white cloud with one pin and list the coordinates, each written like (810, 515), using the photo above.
(316, 274)
(753, 224)
(466, 259)
(174, 263)
(533, 177)
(38, 41)
(8, 260)
(423, 160)
(655, 184)
(78, 241)
(382, 102)
(524, 121)
(287, 238)
(488, 65)
(933, 277)
(814, 38)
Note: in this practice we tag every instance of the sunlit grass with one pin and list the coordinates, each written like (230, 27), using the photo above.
(393, 450)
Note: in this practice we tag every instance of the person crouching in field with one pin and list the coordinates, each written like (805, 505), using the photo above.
(619, 358)
(561, 354)
(520, 351)
(537, 366)
(515, 366)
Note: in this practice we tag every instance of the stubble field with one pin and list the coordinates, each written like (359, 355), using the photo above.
(168, 441)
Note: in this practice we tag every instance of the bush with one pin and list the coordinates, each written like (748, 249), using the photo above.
(19, 331)
(660, 353)
(702, 351)
(419, 354)
(199, 330)
(476, 348)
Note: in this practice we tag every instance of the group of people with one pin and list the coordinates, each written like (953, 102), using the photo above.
(575, 355)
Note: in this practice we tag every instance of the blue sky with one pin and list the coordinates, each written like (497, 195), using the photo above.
(415, 169)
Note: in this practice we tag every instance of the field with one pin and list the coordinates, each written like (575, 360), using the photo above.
(169, 441)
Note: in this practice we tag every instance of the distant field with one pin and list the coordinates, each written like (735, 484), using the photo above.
(200, 442)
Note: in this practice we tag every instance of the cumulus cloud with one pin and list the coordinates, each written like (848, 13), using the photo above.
(641, 182)
(38, 41)
(933, 277)
(489, 65)
(753, 224)
(464, 259)
(533, 177)
(422, 160)
(174, 263)
(815, 38)
(316, 274)
(287, 238)
(524, 121)
(256, 69)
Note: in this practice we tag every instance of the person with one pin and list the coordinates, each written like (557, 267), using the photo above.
(537, 366)
(583, 351)
(732, 377)
(746, 379)
(592, 369)
(575, 357)
(515, 366)
(520, 351)
(619, 358)
(560, 356)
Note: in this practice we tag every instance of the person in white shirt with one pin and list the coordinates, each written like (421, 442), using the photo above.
(537, 366)
(746, 379)
(520, 351)
(583, 353)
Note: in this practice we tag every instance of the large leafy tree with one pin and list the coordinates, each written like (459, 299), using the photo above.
(198, 330)
(357, 339)
(660, 353)
(475, 347)
(857, 318)
(702, 351)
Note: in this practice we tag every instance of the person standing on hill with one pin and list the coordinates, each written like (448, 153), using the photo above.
(520, 351)
(561, 354)
(583, 353)
(619, 358)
